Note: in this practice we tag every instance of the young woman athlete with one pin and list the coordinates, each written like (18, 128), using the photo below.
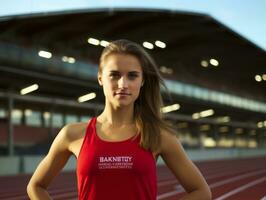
(117, 150)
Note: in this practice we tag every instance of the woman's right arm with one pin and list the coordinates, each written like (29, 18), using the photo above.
(50, 166)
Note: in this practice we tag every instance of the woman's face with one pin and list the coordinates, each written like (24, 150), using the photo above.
(121, 79)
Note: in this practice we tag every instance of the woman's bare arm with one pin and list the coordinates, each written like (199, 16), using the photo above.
(50, 166)
(183, 168)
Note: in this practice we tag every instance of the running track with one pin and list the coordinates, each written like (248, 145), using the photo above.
(241, 179)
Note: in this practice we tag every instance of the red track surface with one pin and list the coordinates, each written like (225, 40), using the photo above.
(241, 179)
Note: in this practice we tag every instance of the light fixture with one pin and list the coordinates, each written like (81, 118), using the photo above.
(28, 112)
(204, 63)
(214, 62)
(160, 44)
(104, 43)
(260, 124)
(166, 70)
(196, 116)
(93, 41)
(29, 89)
(209, 142)
(205, 113)
(258, 78)
(86, 97)
(70, 60)
(46, 115)
(148, 45)
(170, 108)
(45, 54)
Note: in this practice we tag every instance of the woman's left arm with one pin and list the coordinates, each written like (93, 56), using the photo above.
(183, 168)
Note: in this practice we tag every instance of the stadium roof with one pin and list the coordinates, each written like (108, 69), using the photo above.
(191, 39)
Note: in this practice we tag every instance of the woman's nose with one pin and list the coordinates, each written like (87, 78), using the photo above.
(123, 82)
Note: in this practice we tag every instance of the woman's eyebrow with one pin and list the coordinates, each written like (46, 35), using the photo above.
(132, 72)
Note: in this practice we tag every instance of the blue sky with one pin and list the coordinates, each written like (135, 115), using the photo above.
(246, 17)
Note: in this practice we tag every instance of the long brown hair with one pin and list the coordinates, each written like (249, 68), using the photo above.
(147, 107)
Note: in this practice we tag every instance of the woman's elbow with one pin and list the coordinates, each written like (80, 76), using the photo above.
(207, 194)
(32, 188)
(29, 189)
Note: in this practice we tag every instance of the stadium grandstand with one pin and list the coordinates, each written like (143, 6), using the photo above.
(48, 78)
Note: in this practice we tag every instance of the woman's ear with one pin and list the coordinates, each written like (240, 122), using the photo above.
(100, 79)
(142, 83)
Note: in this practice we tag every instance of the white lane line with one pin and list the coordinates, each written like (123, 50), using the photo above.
(167, 182)
(213, 185)
(173, 180)
(239, 189)
(263, 198)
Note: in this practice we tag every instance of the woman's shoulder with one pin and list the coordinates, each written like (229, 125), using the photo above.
(168, 139)
(74, 131)
(168, 134)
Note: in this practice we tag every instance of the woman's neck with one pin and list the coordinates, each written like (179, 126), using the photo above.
(117, 118)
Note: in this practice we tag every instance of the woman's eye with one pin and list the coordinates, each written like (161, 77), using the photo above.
(114, 75)
(133, 75)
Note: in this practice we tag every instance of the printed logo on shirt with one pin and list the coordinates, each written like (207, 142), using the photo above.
(115, 162)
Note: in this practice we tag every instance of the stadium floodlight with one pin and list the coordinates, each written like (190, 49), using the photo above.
(260, 124)
(86, 97)
(64, 58)
(70, 60)
(29, 89)
(207, 113)
(258, 78)
(204, 63)
(166, 70)
(46, 115)
(195, 115)
(93, 41)
(28, 112)
(170, 108)
(104, 43)
(209, 142)
(214, 62)
(148, 45)
(45, 54)
(160, 44)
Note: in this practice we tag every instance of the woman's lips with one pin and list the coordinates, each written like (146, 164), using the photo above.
(122, 94)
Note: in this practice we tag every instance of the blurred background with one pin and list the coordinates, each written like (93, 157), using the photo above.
(211, 56)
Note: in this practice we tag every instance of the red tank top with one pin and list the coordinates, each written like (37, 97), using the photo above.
(114, 170)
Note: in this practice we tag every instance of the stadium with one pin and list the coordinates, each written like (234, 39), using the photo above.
(215, 95)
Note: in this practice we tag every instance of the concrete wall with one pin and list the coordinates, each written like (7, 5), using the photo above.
(27, 164)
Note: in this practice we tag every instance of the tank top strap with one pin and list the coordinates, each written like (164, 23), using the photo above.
(88, 134)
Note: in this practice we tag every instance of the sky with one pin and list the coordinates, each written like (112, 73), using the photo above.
(245, 17)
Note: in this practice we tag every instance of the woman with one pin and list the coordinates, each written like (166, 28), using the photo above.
(117, 151)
